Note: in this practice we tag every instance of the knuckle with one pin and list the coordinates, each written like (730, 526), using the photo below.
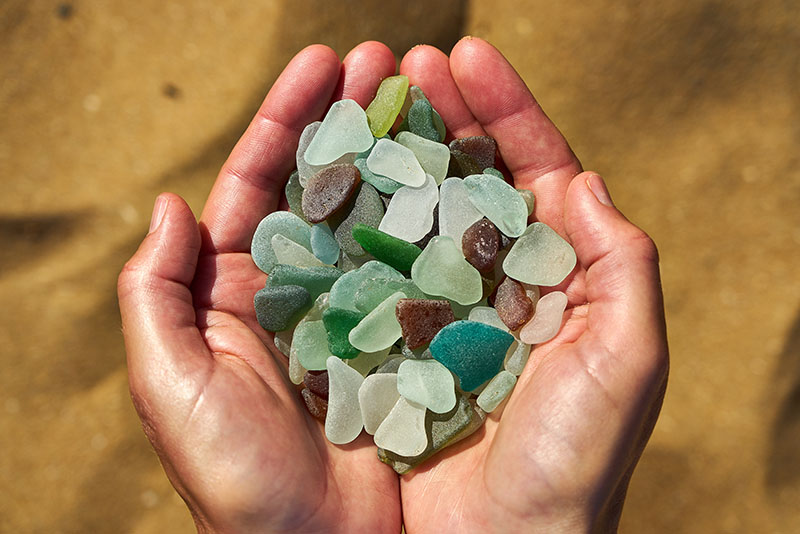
(644, 246)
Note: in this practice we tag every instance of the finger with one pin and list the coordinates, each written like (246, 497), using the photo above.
(165, 350)
(532, 148)
(252, 179)
(429, 68)
(623, 288)
(362, 70)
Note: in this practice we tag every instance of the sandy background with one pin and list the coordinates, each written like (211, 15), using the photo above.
(691, 111)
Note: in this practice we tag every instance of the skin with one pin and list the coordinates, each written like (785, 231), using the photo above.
(229, 427)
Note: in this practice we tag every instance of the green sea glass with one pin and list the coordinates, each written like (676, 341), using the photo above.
(442, 270)
(379, 329)
(384, 108)
(373, 291)
(499, 202)
(310, 344)
(391, 250)
(540, 257)
(279, 308)
(284, 223)
(317, 280)
(339, 322)
(344, 289)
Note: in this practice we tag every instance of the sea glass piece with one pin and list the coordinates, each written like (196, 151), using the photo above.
(433, 232)
(379, 329)
(294, 195)
(456, 211)
(373, 291)
(280, 308)
(414, 94)
(310, 344)
(381, 183)
(444, 430)
(529, 198)
(305, 170)
(432, 156)
(480, 245)
(421, 319)
(462, 165)
(384, 108)
(316, 280)
(377, 396)
(329, 190)
(546, 320)
(316, 405)
(296, 369)
(391, 365)
(396, 162)
(403, 430)
(344, 289)
(532, 292)
(516, 357)
(487, 315)
(498, 201)
(391, 250)
(367, 209)
(473, 351)
(410, 212)
(420, 353)
(339, 322)
(367, 361)
(284, 223)
(323, 244)
(317, 382)
(283, 341)
(493, 172)
(427, 382)
(287, 252)
(420, 121)
(496, 390)
(344, 130)
(512, 303)
(349, 263)
(343, 423)
(441, 270)
(540, 257)
(482, 148)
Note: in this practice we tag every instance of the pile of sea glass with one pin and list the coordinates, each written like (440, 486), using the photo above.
(404, 281)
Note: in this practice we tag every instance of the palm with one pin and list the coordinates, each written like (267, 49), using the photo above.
(244, 402)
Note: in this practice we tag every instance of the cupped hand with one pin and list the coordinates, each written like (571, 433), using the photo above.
(558, 456)
(210, 387)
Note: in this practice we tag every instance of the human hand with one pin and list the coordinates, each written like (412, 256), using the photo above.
(559, 456)
(211, 389)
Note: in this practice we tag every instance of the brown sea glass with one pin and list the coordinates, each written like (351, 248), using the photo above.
(317, 382)
(480, 147)
(512, 304)
(329, 190)
(480, 244)
(317, 406)
(421, 319)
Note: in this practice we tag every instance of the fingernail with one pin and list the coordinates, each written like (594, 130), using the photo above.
(159, 209)
(598, 187)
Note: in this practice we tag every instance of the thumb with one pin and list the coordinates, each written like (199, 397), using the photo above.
(622, 283)
(164, 347)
